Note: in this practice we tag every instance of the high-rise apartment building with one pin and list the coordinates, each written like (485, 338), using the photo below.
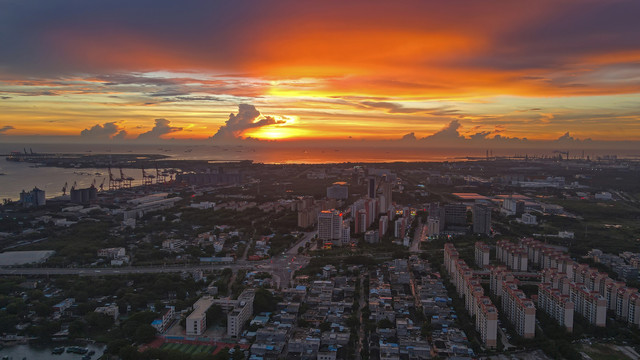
(590, 304)
(339, 190)
(469, 288)
(481, 219)
(400, 227)
(482, 254)
(372, 187)
(555, 304)
(519, 310)
(383, 225)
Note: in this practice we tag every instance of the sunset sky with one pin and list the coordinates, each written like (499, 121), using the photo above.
(291, 70)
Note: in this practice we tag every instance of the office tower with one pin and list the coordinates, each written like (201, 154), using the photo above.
(455, 215)
(371, 187)
(329, 225)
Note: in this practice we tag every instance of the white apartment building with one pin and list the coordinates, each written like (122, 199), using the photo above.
(487, 321)
(555, 304)
(519, 310)
(514, 256)
(476, 303)
(482, 251)
(590, 304)
(497, 276)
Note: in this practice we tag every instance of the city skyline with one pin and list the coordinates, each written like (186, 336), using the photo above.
(487, 74)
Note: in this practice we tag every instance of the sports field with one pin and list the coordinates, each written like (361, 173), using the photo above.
(189, 349)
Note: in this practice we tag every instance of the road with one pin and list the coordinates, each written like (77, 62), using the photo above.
(282, 267)
(124, 270)
(305, 239)
(505, 342)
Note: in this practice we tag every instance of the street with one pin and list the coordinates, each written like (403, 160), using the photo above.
(281, 267)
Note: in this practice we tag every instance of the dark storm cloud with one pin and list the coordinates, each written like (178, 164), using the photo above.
(28, 30)
(575, 31)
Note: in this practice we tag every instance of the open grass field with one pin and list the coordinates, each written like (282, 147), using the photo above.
(188, 349)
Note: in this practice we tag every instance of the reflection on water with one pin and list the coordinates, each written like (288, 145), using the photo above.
(18, 176)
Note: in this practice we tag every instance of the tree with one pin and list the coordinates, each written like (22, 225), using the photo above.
(238, 354)
(264, 301)
(353, 322)
(385, 324)
(77, 328)
(99, 321)
(222, 355)
(114, 346)
(129, 353)
(325, 326)
(144, 333)
(42, 309)
(303, 323)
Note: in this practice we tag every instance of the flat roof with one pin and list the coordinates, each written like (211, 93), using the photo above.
(513, 196)
(200, 307)
(470, 196)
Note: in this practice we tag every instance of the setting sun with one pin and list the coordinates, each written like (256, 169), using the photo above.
(282, 129)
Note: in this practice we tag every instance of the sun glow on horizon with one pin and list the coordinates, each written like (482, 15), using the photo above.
(284, 128)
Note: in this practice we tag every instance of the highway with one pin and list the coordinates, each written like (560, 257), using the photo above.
(123, 270)
(282, 267)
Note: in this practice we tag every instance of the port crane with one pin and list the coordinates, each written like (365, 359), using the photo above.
(102, 184)
(64, 189)
(160, 177)
(147, 179)
(562, 153)
(126, 181)
(114, 183)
